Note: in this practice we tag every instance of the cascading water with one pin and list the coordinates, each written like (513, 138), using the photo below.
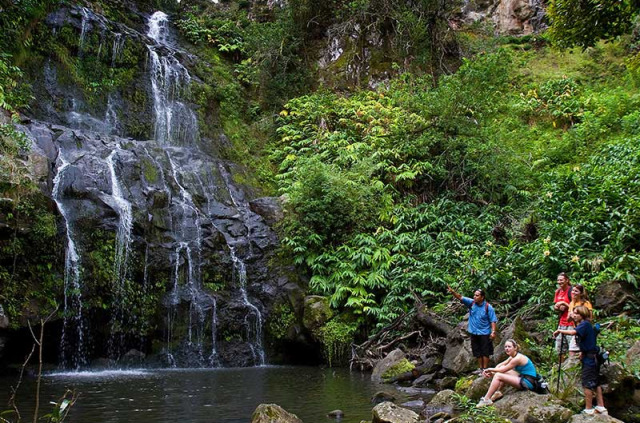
(72, 348)
(83, 27)
(175, 123)
(253, 320)
(254, 328)
(197, 229)
(123, 242)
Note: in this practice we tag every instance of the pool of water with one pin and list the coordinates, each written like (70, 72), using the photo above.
(204, 395)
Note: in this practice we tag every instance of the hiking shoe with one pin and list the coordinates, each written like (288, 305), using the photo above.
(484, 402)
(496, 396)
(601, 410)
(589, 411)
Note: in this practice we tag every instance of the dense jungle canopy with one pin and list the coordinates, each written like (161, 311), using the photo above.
(431, 152)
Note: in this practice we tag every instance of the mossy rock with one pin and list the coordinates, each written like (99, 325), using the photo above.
(402, 366)
(317, 312)
(464, 383)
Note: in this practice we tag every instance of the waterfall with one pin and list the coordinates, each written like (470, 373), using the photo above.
(123, 242)
(73, 319)
(83, 27)
(254, 328)
(116, 49)
(253, 320)
(175, 123)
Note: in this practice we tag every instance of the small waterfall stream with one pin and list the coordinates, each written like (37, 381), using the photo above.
(123, 242)
(72, 349)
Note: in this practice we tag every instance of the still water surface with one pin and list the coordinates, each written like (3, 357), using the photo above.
(204, 395)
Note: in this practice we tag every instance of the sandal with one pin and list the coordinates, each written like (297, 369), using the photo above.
(496, 396)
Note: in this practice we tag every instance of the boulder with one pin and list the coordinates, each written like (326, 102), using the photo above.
(388, 412)
(479, 386)
(392, 359)
(447, 382)
(443, 398)
(619, 385)
(336, 414)
(458, 357)
(316, 312)
(382, 396)
(611, 297)
(517, 331)
(269, 208)
(528, 407)
(632, 356)
(273, 413)
(597, 418)
(399, 371)
(423, 380)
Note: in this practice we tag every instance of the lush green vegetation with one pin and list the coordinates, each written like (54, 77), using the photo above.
(500, 177)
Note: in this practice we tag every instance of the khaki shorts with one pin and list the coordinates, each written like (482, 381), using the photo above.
(563, 341)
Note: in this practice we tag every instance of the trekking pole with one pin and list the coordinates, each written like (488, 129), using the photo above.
(560, 363)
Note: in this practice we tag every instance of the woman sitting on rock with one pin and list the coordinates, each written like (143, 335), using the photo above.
(517, 370)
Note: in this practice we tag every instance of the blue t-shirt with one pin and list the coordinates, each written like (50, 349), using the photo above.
(480, 318)
(587, 342)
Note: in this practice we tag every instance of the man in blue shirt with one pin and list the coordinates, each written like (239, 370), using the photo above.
(482, 325)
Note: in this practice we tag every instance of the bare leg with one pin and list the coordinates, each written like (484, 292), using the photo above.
(499, 379)
(480, 363)
(588, 398)
(485, 362)
(599, 399)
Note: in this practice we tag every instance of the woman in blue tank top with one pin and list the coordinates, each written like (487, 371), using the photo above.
(517, 370)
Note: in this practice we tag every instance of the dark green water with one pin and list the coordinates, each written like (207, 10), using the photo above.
(204, 395)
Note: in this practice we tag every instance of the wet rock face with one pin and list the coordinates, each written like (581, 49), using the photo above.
(163, 248)
(188, 218)
(513, 17)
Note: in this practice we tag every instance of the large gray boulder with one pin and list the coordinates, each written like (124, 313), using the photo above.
(270, 208)
(458, 357)
(392, 359)
(633, 354)
(517, 331)
(611, 297)
(619, 386)
(442, 398)
(597, 418)
(528, 407)
(273, 413)
(478, 388)
(388, 412)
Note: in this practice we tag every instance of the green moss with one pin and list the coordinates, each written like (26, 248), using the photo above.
(463, 384)
(336, 337)
(280, 321)
(403, 366)
(149, 171)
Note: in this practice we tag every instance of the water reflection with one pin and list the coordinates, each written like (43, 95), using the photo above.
(206, 395)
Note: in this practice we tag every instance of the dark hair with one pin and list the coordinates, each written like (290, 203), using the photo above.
(564, 275)
(481, 291)
(583, 292)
